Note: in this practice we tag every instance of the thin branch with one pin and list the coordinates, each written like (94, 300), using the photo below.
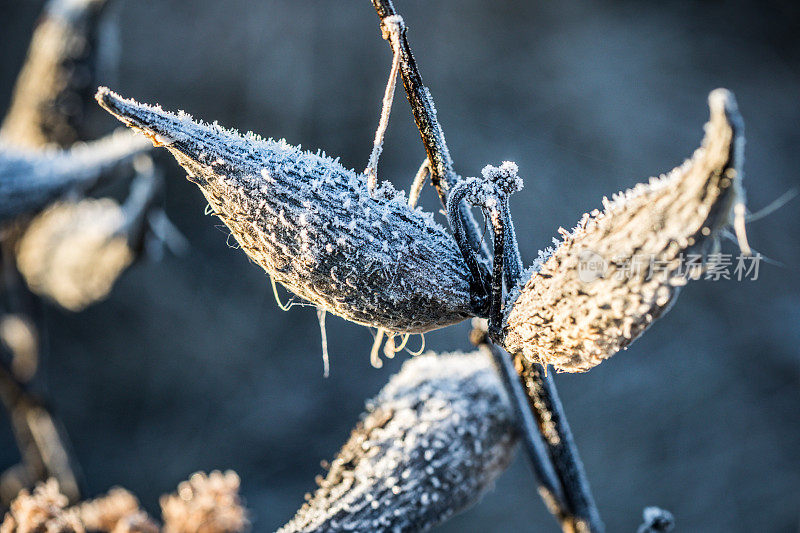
(39, 437)
(443, 176)
(570, 472)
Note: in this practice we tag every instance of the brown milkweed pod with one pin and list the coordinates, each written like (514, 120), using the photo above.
(432, 442)
(313, 225)
(591, 296)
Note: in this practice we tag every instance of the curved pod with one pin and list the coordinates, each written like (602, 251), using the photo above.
(313, 225)
(597, 291)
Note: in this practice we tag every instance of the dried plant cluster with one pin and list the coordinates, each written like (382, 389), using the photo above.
(207, 503)
(443, 428)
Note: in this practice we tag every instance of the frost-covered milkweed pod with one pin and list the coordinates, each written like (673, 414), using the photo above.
(314, 226)
(609, 278)
(431, 443)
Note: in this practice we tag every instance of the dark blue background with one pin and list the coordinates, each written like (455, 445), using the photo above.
(190, 364)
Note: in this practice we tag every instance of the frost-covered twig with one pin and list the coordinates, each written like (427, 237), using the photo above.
(564, 455)
(620, 269)
(432, 441)
(54, 85)
(443, 176)
(32, 179)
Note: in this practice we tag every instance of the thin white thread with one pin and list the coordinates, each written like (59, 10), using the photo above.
(388, 346)
(418, 183)
(739, 215)
(326, 364)
(374, 354)
(773, 206)
(278, 298)
(391, 27)
(421, 348)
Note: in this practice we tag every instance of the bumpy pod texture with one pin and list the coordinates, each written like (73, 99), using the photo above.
(620, 269)
(314, 226)
(31, 179)
(74, 252)
(431, 443)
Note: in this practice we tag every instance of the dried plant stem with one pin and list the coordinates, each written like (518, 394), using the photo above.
(39, 438)
(443, 176)
(545, 405)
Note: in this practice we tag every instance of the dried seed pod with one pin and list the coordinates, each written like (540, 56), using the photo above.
(435, 438)
(314, 226)
(74, 251)
(596, 291)
(31, 179)
(54, 85)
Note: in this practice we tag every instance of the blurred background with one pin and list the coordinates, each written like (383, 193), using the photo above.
(190, 365)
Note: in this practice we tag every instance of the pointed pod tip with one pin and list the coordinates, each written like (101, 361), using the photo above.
(722, 101)
(142, 118)
(111, 102)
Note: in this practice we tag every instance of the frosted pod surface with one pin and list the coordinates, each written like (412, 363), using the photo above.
(620, 269)
(313, 225)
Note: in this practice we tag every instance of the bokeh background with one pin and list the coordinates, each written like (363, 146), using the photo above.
(190, 364)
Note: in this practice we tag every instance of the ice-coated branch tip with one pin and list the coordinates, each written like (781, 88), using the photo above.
(431, 443)
(620, 269)
(141, 117)
(656, 520)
